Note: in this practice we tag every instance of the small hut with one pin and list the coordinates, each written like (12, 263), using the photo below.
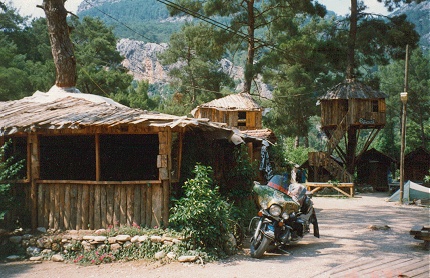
(417, 165)
(374, 168)
(236, 110)
(93, 163)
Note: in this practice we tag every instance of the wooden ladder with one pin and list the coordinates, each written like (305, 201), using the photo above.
(337, 135)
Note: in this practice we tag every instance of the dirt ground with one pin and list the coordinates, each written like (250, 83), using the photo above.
(346, 235)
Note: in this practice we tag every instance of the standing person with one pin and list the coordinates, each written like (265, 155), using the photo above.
(294, 173)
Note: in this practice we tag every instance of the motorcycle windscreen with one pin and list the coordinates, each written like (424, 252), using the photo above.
(268, 195)
(279, 183)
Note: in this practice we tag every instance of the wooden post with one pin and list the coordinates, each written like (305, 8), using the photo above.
(34, 175)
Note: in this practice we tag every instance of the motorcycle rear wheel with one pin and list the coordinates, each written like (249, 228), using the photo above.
(259, 246)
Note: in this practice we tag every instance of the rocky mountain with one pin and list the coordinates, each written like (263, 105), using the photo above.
(419, 14)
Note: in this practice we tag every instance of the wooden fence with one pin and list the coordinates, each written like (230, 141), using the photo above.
(94, 205)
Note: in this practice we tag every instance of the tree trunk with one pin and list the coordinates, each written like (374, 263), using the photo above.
(61, 45)
(351, 41)
(249, 67)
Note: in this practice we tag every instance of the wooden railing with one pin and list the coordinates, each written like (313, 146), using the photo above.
(324, 160)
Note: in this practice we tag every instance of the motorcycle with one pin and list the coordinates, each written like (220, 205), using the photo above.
(284, 218)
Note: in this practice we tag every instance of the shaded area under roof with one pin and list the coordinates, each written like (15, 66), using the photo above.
(350, 89)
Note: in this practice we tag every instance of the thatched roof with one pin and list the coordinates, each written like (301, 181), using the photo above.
(242, 102)
(350, 89)
(58, 109)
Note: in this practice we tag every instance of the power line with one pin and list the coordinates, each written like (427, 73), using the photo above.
(113, 18)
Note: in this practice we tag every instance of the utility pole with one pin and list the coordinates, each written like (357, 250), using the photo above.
(404, 99)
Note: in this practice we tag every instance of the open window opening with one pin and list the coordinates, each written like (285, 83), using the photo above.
(375, 106)
(67, 157)
(129, 157)
(241, 118)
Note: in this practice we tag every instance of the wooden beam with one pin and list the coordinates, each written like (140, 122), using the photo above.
(33, 157)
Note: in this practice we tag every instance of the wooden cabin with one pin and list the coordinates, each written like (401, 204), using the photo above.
(236, 110)
(355, 103)
(417, 165)
(374, 168)
(93, 163)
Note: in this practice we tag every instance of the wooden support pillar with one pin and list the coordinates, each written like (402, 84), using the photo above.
(33, 157)
(250, 151)
(164, 164)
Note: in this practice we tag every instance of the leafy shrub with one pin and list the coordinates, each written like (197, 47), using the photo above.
(203, 214)
(9, 170)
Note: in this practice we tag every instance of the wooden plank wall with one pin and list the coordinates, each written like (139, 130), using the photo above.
(95, 206)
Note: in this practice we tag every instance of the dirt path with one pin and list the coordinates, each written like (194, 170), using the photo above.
(345, 237)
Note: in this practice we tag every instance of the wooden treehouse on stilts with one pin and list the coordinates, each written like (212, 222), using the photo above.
(346, 110)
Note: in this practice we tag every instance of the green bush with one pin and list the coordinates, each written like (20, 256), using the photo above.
(203, 214)
(9, 170)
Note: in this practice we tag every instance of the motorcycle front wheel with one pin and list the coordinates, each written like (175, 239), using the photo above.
(259, 246)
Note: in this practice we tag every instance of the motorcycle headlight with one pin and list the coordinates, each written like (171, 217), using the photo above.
(275, 210)
(285, 215)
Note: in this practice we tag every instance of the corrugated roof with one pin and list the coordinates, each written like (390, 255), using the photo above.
(350, 89)
(241, 101)
(63, 110)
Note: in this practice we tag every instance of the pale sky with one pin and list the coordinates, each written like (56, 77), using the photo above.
(340, 7)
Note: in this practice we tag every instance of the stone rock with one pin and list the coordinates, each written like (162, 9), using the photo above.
(379, 227)
(67, 237)
(171, 255)
(89, 238)
(55, 247)
(115, 247)
(100, 231)
(143, 238)
(101, 246)
(46, 251)
(100, 238)
(40, 242)
(127, 244)
(57, 258)
(13, 258)
(177, 241)
(168, 243)
(156, 239)
(32, 241)
(86, 245)
(167, 238)
(159, 255)
(47, 243)
(36, 259)
(41, 230)
(25, 243)
(123, 238)
(33, 251)
(15, 239)
(27, 236)
(111, 240)
(134, 239)
(184, 259)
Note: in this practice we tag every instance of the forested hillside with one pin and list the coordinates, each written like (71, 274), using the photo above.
(149, 20)
(146, 20)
